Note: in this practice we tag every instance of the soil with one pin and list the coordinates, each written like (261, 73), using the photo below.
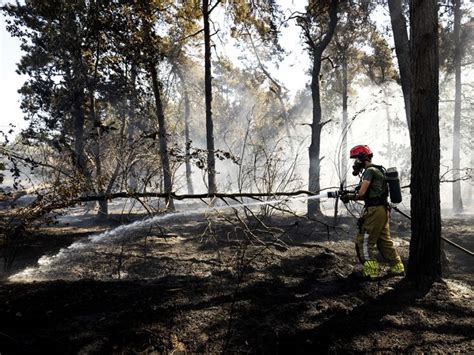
(212, 286)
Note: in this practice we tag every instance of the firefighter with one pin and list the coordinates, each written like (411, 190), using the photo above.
(374, 228)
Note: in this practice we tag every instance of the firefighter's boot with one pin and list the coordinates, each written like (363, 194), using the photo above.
(397, 270)
(370, 270)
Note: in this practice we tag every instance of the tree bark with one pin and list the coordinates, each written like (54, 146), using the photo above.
(402, 49)
(317, 49)
(211, 162)
(457, 200)
(424, 265)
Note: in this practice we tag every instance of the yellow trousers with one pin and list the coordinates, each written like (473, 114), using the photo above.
(375, 235)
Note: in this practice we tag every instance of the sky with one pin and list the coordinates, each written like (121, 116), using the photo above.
(10, 54)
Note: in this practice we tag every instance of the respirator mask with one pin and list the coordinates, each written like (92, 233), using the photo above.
(357, 167)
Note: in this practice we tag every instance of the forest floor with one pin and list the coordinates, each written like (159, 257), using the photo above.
(195, 286)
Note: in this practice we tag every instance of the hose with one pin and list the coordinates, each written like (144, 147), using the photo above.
(443, 238)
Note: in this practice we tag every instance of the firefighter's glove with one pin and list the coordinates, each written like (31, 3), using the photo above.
(347, 197)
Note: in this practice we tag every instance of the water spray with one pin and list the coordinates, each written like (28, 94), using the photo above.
(52, 267)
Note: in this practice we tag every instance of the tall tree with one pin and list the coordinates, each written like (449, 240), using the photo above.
(211, 161)
(153, 52)
(187, 114)
(402, 49)
(424, 265)
(53, 40)
(318, 24)
(456, 197)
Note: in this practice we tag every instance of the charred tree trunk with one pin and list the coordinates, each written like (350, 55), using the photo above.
(211, 162)
(317, 50)
(457, 200)
(424, 265)
(402, 49)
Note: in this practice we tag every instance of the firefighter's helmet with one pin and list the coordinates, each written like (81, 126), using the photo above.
(361, 152)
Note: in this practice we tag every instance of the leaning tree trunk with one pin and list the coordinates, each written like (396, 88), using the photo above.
(167, 181)
(424, 265)
(317, 50)
(163, 137)
(457, 200)
(402, 49)
(211, 162)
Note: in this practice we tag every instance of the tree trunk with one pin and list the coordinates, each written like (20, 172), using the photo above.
(211, 162)
(457, 200)
(103, 205)
(167, 181)
(132, 178)
(470, 191)
(151, 61)
(78, 113)
(314, 149)
(402, 49)
(345, 86)
(314, 206)
(187, 113)
(189, 179)
(424, 265)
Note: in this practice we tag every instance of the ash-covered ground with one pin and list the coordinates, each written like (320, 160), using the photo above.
(227, 283)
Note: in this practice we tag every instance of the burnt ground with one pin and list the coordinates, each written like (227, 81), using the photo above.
(212, 286)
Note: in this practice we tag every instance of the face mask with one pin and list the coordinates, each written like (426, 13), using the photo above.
(357, 167)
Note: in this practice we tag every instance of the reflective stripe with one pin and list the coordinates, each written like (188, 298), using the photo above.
(365, 246)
